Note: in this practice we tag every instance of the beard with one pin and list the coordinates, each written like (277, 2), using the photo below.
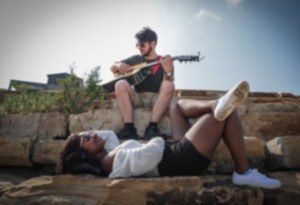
(148, 52)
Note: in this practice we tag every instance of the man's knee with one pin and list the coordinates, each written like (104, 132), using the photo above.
(167, 86)
(121, 85)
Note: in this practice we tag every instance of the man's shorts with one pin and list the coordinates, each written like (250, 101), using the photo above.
(181, 159)
(144, 99)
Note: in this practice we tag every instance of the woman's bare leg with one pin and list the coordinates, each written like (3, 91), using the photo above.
(233, 138)
(182, 110)
(206, 133)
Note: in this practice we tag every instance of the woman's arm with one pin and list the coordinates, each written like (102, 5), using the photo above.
(135, 159)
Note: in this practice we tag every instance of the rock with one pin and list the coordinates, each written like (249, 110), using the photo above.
(282, 107)
(20, 132)
(111, 119)
(222, 162)
(263, 94)
(52, 125)
(289, 95)
(15, 151)
(68, 189)
(20, 125)
(47, 151)
(283, 152)
(267, 125)
(289, 193)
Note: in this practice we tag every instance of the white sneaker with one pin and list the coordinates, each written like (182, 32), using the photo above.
(255, 179)
(231, 100)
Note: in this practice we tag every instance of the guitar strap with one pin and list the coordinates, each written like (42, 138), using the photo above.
(156, 67)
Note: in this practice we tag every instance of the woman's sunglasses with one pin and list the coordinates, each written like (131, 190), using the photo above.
(86, 137)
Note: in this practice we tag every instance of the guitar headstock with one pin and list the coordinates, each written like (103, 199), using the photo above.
(189, 58)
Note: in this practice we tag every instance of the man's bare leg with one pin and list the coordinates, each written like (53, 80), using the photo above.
(161, 105)
(163, 101)
(125, 98)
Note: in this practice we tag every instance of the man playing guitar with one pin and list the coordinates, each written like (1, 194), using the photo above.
(155, 91)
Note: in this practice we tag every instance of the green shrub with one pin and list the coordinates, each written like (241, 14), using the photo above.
(27, 102)
(75, 96)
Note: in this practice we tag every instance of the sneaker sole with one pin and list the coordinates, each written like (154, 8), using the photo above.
(238, 96)
(252, 184)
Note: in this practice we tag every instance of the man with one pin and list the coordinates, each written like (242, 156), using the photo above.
(155, 91)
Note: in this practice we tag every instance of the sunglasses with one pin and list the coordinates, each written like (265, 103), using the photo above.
(86, 137)
(140, 45)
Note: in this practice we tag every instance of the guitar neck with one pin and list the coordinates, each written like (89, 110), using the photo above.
(179, 58)
(152, 64)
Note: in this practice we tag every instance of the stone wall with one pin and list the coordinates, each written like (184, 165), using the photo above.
(271, 126)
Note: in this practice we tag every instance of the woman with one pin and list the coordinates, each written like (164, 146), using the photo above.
(190, 154)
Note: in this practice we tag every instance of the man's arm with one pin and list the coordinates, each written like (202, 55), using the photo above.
(167, 64)
(119, 68)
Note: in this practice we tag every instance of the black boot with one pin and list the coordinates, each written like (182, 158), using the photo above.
(128, 132)
(152, 131)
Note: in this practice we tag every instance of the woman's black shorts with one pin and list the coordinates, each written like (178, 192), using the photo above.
(182, 158)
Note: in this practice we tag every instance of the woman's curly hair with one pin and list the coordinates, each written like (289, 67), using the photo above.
(75, 160)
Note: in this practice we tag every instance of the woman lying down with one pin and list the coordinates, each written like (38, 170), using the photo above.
(100, 153)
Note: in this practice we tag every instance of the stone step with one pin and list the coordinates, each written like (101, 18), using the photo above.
(88, 189)
(264, 121)
(283, 153)
(68, 189)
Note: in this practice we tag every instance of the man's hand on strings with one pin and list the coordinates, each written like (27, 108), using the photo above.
(167, 64)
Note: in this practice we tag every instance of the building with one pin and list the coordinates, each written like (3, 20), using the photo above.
(52, 83)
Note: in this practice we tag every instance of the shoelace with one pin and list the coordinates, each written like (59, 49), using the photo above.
(256, 173)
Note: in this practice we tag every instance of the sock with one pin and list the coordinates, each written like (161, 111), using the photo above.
(153, 124)
(129, 126)
(247, 172)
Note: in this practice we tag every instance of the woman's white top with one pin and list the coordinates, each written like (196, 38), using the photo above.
(109, 136)
(136, 159)
(132, 157)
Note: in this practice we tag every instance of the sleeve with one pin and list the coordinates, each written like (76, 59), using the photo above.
(133, 60)
(139, 160)
(109, 136)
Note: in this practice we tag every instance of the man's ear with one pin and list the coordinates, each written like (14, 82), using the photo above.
(153, 44)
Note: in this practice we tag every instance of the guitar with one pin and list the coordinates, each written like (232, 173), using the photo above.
(138, 73)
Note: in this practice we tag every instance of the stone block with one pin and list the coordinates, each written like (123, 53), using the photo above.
(281, 107)
(20, 132)
(222, 162)
(68, 189)
(52, 125)
(15, 151)
(287, 95)
(263, 94)
(289, 193)
(100, 119)
(267, 125)
(20, 125)
(111, 119)
(283, 153)
(47, 151)
(17, 135)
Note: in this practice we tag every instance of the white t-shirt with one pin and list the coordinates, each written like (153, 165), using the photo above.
(136, 159)
(109, 136)
(132, 157)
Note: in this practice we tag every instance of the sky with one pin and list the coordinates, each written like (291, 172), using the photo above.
(253, 40)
